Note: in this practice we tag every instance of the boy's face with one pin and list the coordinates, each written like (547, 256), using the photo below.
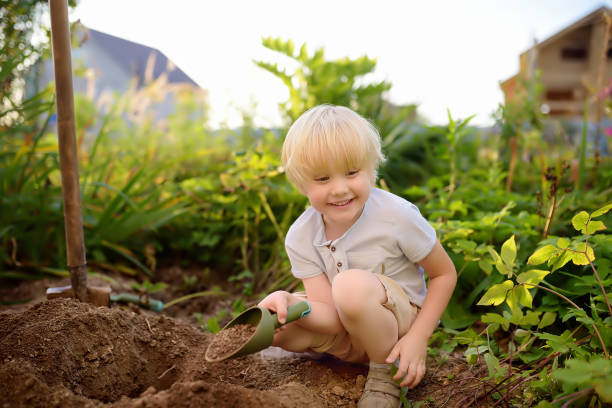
(339, 195)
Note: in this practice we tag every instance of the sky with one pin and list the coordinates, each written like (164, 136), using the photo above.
(437, 54)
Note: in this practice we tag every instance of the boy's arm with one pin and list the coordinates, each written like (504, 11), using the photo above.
(412, 347)
(442, 280)
(323, 317)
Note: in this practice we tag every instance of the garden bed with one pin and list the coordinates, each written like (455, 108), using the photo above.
(69, 354)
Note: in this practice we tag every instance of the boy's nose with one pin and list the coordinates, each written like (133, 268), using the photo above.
(339, 187)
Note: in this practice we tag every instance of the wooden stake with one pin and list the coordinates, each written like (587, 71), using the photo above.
(71, 193)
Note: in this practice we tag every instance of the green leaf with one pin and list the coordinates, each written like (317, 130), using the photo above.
(563, 243)
(497, 319)
(604, 390)
(458, 233)
(466, 245)
(547, 319)
(471, 354)
(451, 122)
(123, 251)
(575, 372)
(579, 259)
(458, 206)
(560, 260)
(212, 325)
(602, 211)
(523, 296)
(508, 251)
(542, 255)
(513, 303)
(584, 251)
(493, 366)
(531, 318)
(148, 286)
(467, 336)
(485, 266)
(580, 220)
(520, 333)
(492, 363)
(503, 268)
(471, 359)
(580, 316)
(561, 343)
(533, 276)
(499, 263)
(496, 294)
(594, 226)
(494, 254)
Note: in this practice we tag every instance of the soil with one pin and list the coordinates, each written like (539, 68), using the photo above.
(229, 341)
(63, 353)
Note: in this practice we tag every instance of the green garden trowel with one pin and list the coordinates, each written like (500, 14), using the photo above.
(266, 322)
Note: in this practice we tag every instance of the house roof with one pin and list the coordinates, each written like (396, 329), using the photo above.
(133, 58)
(584, 21)
(581, 22)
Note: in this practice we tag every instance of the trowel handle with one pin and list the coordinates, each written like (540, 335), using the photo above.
(295, 312)
(153, 304)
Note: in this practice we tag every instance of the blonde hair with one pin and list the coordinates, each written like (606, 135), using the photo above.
(329, 137)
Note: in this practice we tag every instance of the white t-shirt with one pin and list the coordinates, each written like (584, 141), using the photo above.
(389, 237)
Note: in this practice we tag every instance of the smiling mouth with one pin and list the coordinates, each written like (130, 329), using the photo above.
(341, 203)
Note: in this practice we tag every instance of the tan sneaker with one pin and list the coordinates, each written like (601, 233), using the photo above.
(380, 390)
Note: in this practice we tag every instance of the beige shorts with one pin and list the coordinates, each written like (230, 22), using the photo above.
(344, 348)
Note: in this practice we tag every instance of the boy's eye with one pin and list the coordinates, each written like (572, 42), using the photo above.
(321, 179)
(352, 172)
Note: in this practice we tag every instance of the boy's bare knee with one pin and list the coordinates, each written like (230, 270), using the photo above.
(351, 291)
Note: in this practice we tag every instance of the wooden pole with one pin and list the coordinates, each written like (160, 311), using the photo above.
(71, 192)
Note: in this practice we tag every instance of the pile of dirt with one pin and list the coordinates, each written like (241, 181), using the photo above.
(65, 353)
(62, 353)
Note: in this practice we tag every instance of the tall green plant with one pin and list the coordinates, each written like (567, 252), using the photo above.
(456, 130)
(520, 115)
(317, 80)
(30, 205)
(583, 147)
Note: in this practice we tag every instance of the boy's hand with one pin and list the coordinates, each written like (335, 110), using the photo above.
(277, 302)
(412, 352)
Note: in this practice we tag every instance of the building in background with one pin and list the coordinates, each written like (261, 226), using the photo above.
(106, 66)
(573, 64)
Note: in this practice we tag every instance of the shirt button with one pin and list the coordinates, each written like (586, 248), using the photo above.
(339, 264)
(333, 249)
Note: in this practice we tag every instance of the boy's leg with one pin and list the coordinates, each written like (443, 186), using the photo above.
(359, 297)
(292, 337)
(376, 312)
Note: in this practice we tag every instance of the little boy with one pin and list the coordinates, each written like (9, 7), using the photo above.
(360, 252)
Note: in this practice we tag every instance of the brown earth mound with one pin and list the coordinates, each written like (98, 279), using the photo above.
(62, 353)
